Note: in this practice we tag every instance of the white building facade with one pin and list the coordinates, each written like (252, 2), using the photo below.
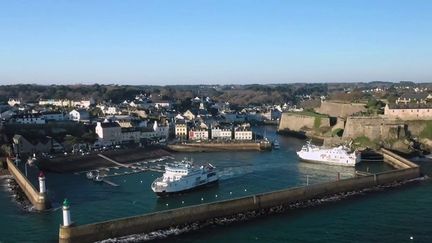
(221, 133)
(242, 134)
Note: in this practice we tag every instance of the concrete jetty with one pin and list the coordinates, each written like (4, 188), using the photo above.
(112, 161)
(165, 219)
(39, 199)
(216, 147)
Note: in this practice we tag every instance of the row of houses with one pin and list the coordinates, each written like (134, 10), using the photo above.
(67, 103)
(46, 144)
(78, 115)
(57, 102)
(408, 111)
(202, 132)
(411, 106)
(111, 133)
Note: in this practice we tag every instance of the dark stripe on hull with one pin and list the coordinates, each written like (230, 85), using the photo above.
(326, 163)
(164, 194)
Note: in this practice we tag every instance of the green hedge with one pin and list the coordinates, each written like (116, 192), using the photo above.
(427, 131)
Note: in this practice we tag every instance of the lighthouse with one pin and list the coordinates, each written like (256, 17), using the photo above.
(42, 188)
(66, 214)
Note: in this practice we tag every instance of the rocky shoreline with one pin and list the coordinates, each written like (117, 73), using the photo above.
(17, 194)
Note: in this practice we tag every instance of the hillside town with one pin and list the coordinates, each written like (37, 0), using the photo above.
(68, 126)
(141, 120)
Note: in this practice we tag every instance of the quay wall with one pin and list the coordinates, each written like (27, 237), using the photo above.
(210, 147)
(164, 219)
(39, 200)
(397, 161)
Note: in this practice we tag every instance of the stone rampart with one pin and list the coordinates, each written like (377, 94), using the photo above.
(336, 109)
(298, 122)
(373, 127)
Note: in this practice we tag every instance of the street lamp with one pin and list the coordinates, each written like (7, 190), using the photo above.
(29, 162)
(74, 151)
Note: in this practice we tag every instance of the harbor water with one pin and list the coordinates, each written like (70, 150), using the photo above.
(393, 215)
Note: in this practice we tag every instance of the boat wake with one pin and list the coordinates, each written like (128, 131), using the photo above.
(17, 195)
(232, 172)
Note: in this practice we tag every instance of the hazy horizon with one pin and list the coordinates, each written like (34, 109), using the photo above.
(209, 84)
(214, 42)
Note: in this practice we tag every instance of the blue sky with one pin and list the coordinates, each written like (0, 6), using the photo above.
(214, 42)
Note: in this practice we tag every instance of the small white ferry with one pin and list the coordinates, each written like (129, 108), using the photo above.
(332, 156)
(184, 176)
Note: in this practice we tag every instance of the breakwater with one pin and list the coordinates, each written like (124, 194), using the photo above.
(39, 200)
(396, 161)
(216, 147)
(169, 218)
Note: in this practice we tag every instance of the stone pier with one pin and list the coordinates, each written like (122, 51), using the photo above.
(39, 199)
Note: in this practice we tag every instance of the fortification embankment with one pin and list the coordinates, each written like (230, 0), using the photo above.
(214, 147)
(160, 220)
(374, 128)
(39, 200)
(299, 122)
(338, 109)
(382, 127)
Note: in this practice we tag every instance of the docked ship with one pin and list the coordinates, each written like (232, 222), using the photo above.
(333, 156)
(184, 176)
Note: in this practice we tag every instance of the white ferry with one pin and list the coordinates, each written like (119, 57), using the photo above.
(184, 176)
(332, 156)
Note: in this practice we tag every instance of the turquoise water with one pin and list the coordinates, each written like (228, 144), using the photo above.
(393, 215)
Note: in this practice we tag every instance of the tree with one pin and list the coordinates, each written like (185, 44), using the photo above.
(5, 150)
(96, 112)
(89, 137)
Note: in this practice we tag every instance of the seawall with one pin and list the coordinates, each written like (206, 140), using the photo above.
(164, 219)
(39, 200)
(213, 147)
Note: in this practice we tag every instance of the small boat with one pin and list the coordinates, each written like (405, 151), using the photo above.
(428, 156)
(276, 144)
(90, 175)
(98, 178)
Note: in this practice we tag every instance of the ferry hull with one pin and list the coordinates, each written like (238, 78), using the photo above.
(165, 193)
(326, 162)
(316, 159)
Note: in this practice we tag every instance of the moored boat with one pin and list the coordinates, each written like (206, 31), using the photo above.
(333, 156)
